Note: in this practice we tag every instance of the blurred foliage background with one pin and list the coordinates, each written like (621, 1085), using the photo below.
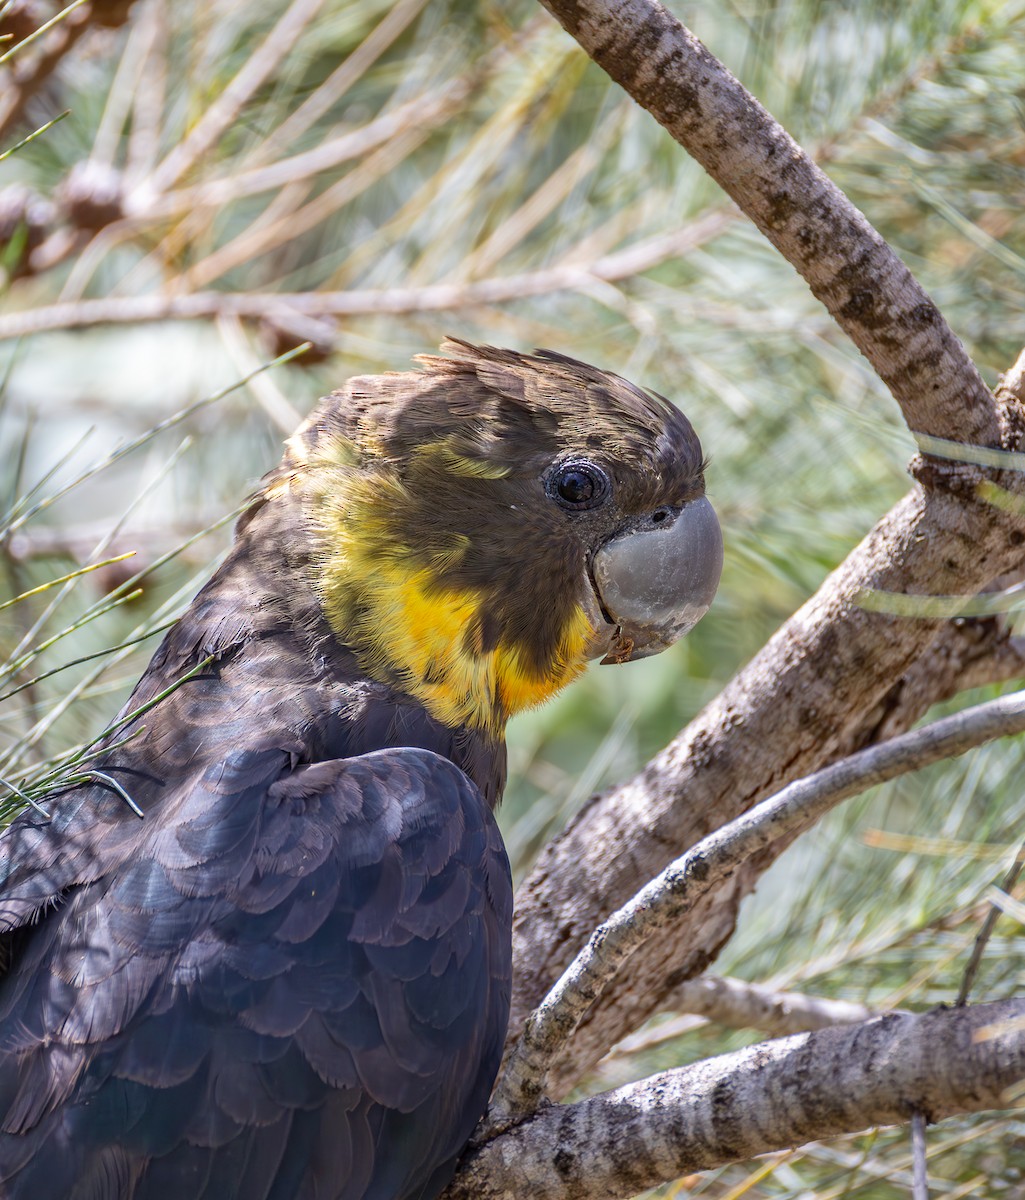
(370, 176)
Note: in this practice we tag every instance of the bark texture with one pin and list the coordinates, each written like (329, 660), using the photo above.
(868, 291)
(769, 1097)
(674, 893)
(843, 672)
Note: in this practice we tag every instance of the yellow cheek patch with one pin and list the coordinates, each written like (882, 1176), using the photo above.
(403, 629)
(406, 630)
(430, 641)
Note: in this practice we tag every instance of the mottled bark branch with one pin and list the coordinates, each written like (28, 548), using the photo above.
(768, 1097)
(824, 683)
(802, 701)
(673, 894)
(868, 291)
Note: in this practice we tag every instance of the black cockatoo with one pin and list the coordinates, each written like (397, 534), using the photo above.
(289, 979)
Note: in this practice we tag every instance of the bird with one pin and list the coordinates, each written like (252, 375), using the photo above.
(261, 949)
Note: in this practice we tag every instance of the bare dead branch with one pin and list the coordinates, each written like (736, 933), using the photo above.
(738, 1004)
(868, 291)
(432, 298)
(768, 1097)
(686, 880)
(731, 1004)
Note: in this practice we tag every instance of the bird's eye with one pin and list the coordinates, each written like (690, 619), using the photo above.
(578, 485)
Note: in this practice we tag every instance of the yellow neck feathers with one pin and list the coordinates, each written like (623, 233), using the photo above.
(404, 629)
(386, 601)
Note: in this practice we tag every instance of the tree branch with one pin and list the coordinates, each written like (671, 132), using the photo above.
(678, 888)
(396, 301)
(738, 1004)
(966, 653)
(799, 703)
(768, 1097)
(731, 1004)
(814, 690)
(868, 291)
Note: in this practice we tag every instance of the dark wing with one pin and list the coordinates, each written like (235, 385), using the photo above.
(298, 988)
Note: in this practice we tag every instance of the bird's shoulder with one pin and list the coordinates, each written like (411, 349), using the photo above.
(247, 687)
(255, 813)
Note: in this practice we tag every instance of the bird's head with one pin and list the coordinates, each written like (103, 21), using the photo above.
(485, 526)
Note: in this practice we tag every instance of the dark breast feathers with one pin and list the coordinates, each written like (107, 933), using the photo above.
(291, 979)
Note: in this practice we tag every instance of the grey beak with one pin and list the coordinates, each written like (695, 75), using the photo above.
(656, 581)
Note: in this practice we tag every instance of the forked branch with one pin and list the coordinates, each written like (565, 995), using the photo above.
(685, 881)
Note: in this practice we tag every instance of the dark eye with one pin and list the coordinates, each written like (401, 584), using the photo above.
(578, 485)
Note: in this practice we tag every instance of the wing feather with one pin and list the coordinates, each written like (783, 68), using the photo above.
(297, 987)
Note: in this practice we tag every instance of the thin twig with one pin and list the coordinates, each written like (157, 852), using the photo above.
(986, 932)
(738, 1004)
(666, 898)
(731, 1004)
(393, 301)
